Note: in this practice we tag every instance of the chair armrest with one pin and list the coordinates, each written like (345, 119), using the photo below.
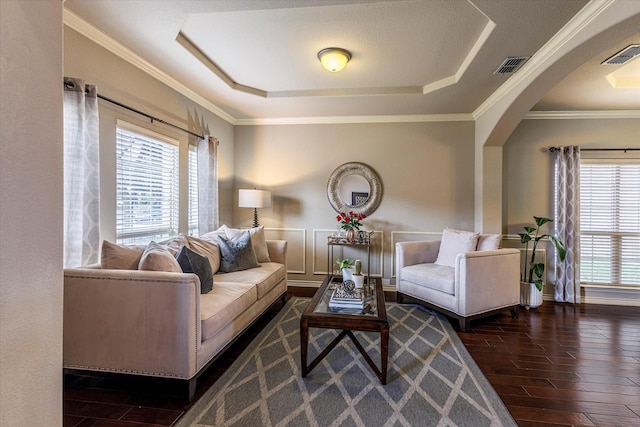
(144, 322)
(411, 253)
(277, 251)
(487, 279)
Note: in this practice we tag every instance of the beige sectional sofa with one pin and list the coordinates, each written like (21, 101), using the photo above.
(157, 323)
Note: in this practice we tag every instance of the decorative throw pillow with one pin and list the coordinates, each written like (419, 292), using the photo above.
(174, 243)
(258, 241)
(489, 242)
(193, 262)
(120, 257)
(158, 258)
(455, 242)
(237, 255)
(208, 249)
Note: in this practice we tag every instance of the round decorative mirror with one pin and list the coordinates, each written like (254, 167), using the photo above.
(354, 187)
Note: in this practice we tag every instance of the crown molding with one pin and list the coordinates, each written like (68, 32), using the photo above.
(418, 118)
(569, 115)
(563, 37)
(78, 24)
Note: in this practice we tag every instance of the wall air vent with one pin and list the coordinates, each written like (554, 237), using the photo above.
(624, 56)
(511, 64)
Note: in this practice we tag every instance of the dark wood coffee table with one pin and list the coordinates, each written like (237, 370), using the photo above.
(372, 319)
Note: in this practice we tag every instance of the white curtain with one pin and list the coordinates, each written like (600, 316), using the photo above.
(567, 223)
(81, 174)
(207, 185)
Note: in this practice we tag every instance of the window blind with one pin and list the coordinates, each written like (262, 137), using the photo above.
(146, 185)
(610, 223)
(193, 190)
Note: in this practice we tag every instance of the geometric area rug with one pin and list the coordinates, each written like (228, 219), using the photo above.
(432, 380)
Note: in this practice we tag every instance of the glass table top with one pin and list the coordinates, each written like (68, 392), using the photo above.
(370, 301)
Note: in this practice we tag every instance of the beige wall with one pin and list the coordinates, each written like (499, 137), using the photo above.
(122, 82)
(528, 172)
(426, 171)
(31, 213)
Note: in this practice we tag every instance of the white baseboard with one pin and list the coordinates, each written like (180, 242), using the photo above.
(606, 295)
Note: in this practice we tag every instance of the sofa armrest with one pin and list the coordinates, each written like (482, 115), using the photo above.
(487, 280)
(278, 251)
(143, 322)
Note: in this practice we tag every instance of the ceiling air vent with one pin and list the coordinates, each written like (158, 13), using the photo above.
(625, 55)
(511, 64)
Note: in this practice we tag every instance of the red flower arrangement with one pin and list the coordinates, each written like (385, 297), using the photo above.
(350, 221)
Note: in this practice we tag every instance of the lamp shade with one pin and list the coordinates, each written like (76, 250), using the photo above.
(334, 59)
(254, 198)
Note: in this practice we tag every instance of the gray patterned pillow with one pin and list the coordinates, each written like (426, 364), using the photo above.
(236, 255)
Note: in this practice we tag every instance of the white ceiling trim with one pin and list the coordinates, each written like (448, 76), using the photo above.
(78, 24)
(568, 115)
(566, 34)
(417, 118)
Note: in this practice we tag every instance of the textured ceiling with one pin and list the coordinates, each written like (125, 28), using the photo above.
(257, 59)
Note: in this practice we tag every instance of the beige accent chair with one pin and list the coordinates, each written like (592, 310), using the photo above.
(479, 283)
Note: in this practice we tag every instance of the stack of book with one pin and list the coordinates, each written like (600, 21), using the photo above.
(343, 299)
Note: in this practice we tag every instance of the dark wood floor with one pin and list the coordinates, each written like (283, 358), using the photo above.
(557, 365)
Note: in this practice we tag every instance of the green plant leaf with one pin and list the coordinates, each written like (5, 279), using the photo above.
(539, 284)
(538, 269)
(529, 229)
(540, 220)
(560, 248)
(524, 238)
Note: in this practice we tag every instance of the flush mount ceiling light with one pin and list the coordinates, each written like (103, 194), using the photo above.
(334, 59)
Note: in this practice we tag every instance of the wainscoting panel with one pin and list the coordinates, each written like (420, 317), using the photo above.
(321, 253)
(296, 246)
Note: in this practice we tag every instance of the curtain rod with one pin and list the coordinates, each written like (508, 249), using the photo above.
(150, 117)
(554, 149)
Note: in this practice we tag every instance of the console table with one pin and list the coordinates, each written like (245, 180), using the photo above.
(363, 240)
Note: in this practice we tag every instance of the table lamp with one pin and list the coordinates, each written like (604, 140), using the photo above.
(254, 199)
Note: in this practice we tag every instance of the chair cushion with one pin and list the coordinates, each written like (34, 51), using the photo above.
(455, 242)
(433, 276)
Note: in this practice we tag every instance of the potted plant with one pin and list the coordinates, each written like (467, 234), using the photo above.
(532, 274)
(346, 267)
(358, 277)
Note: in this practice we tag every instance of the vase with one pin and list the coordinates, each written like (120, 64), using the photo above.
(351, 236)
(530, 296)
(347, 273)
(358, 279)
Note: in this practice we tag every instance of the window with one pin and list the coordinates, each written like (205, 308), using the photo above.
(146, 185)
(610, 223)
(193, 190)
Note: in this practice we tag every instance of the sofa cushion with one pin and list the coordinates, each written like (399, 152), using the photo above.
(193, 262)
(433, 276)
(455, 242)
(489, 242)
(221, 306)
(174, 243)
(236, 255)
(258, 241)
(207, 248)
(158, 258)
(120, 257)
(265, 277)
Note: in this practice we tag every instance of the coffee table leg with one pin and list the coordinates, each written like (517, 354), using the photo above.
(384, 353)
(304, 341)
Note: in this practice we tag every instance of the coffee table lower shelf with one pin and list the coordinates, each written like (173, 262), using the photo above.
(375, 320)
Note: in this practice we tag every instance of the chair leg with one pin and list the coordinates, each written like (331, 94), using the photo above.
(399, 297)
(514, 311)
(464, 323)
